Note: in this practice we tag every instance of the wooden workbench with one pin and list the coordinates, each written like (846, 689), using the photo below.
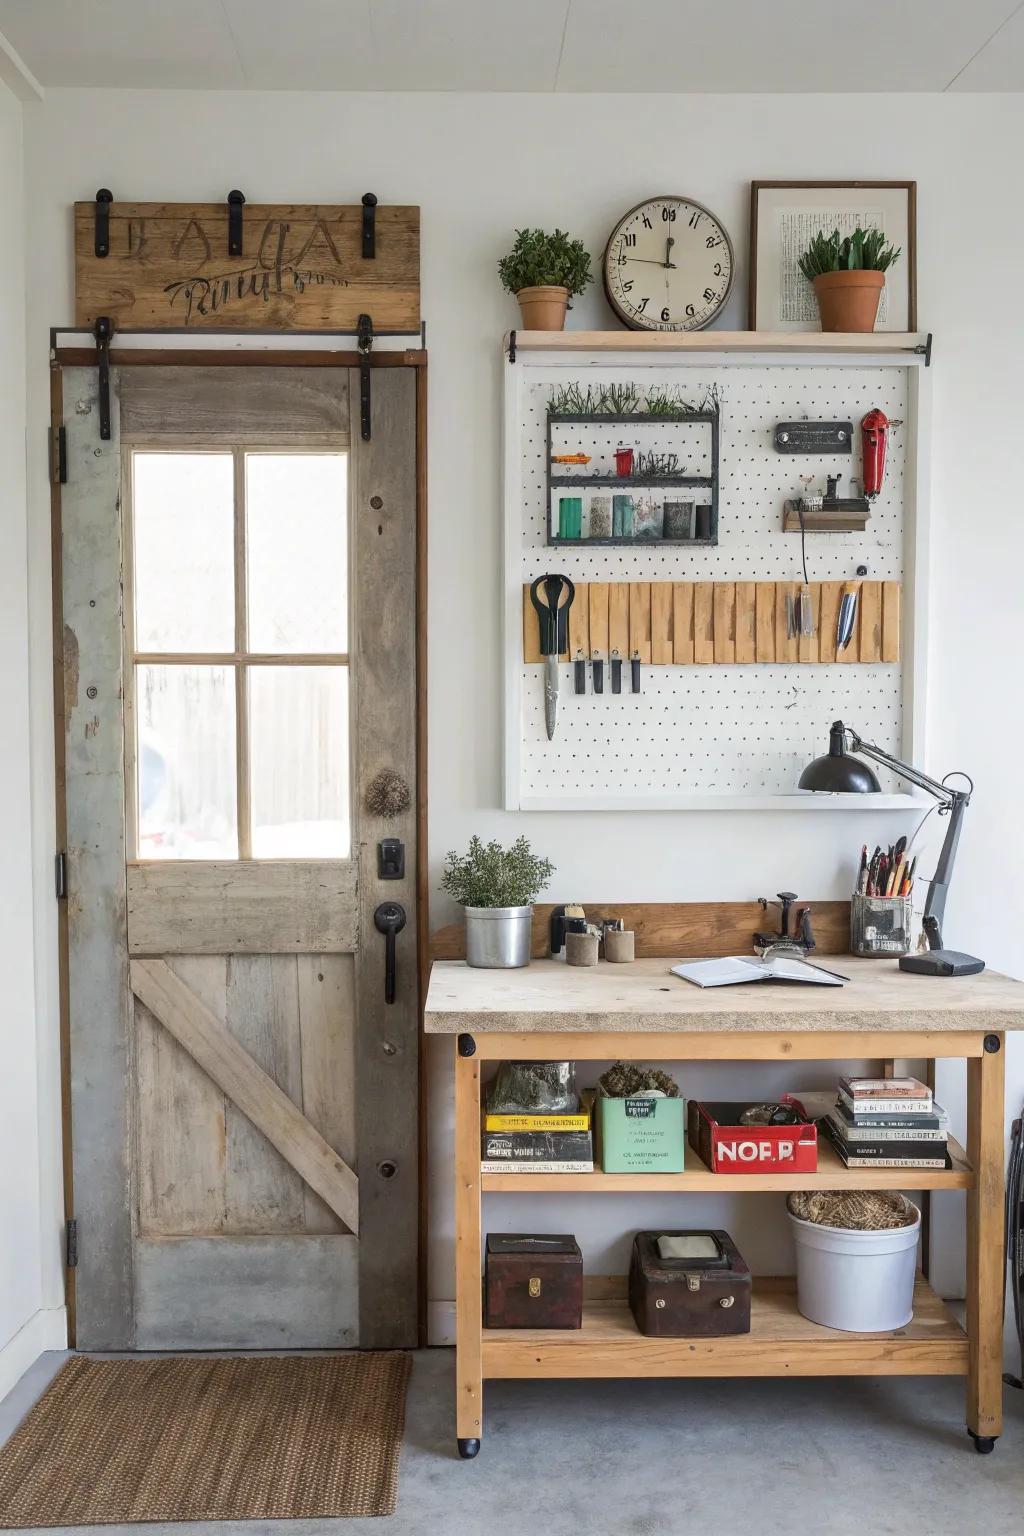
(550, 1011)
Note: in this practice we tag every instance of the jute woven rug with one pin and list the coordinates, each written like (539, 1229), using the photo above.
(113, 1442)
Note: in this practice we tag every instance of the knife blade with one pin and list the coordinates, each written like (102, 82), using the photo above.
(551, 694)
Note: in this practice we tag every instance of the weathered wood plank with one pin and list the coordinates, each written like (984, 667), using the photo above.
(248, 1292)
(262, 1192)
(618, 618)
(682, 623)
(831, 596)
(704, 623)
(746, 621)
(597, 592)
(787, 646)
(869, 619)
(890, 621)
(764, 620)
(247, 1086)
(327, 1022)
(209, 907)
(724, 621)
(387, 1043)
(661, 623)
(99, 1011)
(301, 268)
(181, 1120)
(676, 930)
(640, 620)
(808, 644)
(237, 403)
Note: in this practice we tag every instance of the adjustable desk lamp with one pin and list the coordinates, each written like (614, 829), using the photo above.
(839, 773)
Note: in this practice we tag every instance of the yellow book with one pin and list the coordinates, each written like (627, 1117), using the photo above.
(576, 1122)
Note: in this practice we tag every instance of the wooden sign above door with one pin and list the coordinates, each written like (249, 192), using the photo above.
(302, 268)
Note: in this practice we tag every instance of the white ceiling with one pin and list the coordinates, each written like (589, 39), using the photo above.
(531, 45)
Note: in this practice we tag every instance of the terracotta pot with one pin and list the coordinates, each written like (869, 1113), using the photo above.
(848, 301)
(543, 309)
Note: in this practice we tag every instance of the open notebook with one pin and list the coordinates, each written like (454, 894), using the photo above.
(735, 969)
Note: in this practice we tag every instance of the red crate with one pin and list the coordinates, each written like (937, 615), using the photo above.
(726, 1146)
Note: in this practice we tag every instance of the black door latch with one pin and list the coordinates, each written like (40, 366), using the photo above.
(389, 919)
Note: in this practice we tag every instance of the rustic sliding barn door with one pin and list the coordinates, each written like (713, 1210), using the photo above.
(239, 626)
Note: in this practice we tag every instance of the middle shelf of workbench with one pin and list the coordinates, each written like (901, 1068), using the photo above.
(697, 1178)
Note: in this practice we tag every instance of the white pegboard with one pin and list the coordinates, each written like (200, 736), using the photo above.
(697, 733)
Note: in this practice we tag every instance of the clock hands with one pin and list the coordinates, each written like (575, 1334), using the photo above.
(668, 252)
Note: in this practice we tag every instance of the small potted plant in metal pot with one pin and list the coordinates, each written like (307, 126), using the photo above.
(848, 276)
(496, 887)
(544, 271)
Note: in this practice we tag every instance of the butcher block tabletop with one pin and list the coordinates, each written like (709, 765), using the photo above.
(644, 996)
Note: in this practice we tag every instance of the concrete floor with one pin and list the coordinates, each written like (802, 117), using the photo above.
(849, 1457)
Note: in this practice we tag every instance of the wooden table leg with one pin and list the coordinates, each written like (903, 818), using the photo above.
(468, 1309)
(985, 1236)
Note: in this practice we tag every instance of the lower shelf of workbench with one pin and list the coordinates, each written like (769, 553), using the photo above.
(780, 1343)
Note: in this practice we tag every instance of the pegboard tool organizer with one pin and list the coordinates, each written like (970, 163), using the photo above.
(703, 623)
(731, 705)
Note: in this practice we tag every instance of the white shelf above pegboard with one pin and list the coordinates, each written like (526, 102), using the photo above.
(801, 804)
(665, 343)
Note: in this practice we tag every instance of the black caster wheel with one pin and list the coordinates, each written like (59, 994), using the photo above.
(468, 1449)
(983, 1444)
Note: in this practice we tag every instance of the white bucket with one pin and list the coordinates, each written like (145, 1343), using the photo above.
(862, 1282)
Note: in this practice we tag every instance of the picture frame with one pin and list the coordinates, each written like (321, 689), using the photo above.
(785, 215)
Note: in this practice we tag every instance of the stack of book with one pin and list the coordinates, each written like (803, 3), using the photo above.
(536, 1142)
(888, 1122)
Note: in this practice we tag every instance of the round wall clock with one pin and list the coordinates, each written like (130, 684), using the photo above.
(668, 266)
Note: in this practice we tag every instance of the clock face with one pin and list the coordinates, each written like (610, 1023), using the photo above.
(668, 266)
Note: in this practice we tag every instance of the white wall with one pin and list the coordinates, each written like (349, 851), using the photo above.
(479, 166)
(25, 1325)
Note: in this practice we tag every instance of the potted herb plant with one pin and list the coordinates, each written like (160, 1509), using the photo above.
(544, 271)
(496, 887)
(848, 276)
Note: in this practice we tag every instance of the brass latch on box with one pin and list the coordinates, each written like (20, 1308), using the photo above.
(534, 1286)
(693, 1282)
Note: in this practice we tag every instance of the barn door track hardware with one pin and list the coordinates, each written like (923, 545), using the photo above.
(101, 242)
(236, 200)
(103, 332)
(369, 226)
(364, 343)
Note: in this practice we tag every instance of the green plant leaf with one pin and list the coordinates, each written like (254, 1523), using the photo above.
(538, 259)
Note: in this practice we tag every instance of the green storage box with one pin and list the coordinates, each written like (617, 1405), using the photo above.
(640, 1135)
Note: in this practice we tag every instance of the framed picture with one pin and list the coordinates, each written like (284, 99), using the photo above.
(784, 218)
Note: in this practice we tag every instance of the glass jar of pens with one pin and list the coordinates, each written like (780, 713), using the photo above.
(880, 909)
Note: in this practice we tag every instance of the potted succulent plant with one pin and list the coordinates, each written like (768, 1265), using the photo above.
(496, 887)
(848, 276)
(544, 271)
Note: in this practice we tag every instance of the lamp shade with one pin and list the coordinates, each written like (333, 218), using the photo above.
(837, 773)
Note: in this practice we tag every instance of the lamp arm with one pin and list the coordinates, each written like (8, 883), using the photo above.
(905, 771)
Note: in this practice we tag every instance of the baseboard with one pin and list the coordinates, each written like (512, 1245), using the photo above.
(46, 1329)
(440, 1322)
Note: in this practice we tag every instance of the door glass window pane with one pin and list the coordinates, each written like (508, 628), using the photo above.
(183, 527)
(298, 750)
(185, 750)
(297, 551)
